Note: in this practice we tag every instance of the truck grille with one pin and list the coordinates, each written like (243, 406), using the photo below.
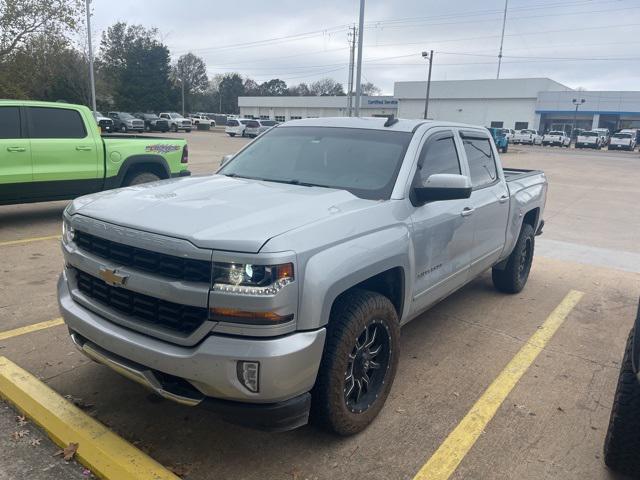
(184, 319)
(186, 269)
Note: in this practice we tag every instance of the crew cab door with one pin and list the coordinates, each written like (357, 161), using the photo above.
(489, 199)
(442, 231)
(66, 160)
(16, 169)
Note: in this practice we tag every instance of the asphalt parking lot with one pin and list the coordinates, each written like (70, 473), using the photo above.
(551, 425)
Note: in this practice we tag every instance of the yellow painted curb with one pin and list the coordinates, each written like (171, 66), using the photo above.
(102, 451)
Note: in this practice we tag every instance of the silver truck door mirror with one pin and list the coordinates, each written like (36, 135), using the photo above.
(225, 159)
(442, 186)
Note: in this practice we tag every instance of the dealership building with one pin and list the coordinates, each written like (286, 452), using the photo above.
(285, 108)
(537, 103)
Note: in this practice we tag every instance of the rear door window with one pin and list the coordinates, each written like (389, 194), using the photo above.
(9, 122)
(232, 123)
(481, 162)
(55, 123)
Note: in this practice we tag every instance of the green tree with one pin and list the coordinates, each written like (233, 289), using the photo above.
(230, 88)
(137, 67)
(22, 19)
(300, 90)
(273, 88)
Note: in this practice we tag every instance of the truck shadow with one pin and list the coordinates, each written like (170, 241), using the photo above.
(26, 215)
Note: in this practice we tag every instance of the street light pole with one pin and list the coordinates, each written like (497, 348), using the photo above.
(91, 77)
(182, 83)
(359, 71)
(426, 99)
(577, 103)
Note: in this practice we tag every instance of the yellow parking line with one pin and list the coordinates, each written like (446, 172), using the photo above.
(99, 449)
(31, 328)
(446, 459)
(29, 240)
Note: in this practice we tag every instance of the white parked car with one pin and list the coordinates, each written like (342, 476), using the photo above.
(604, 135)
(623, 140)
(177, 121)
(256, 127)
(237, 126)
(588, 139)
(527, 136)
(509, 133)
(556, 137)
(199, 119)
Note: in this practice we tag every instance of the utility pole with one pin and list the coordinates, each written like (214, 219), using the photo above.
(577, 103)
(359, 72)
(91, 78)
(504, 23)
(352, 51)
(429, 55)
(182, 83)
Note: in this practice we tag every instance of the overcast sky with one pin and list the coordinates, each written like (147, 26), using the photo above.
(593, 44)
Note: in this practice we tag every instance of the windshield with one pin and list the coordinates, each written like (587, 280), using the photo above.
(268, 123)
(364, 162)
(622, 135)
(527, 131)
(556, 133)
(126, 115)
(589, 134)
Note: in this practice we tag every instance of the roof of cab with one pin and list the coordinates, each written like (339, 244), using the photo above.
(372, 123)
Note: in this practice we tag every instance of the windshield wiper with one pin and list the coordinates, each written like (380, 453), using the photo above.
(296, 182)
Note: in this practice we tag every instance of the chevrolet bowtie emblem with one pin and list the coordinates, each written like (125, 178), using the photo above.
(112, 277)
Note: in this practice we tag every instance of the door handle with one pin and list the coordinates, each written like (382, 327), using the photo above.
(466, 211)
(16, 149)
(82, 148)
(503, 198)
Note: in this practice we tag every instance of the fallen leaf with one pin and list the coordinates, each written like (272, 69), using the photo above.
(68, 452)
(19, 434)
(455, 394)
(22, 420)
(34, 442)
(560, 409)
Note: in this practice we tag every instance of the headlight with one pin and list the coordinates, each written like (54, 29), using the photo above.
(67, 232)
(251, 279)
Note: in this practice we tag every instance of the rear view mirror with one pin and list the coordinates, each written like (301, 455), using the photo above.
(225, 159)
(442, 186)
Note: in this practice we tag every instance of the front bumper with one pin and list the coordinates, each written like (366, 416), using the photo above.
(206, 374)
(613, 146)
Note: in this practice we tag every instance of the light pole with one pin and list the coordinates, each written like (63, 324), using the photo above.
(577, 103)
(504, 24)
(428, 56)
(91, 78)
(359, 71)
(182, 84)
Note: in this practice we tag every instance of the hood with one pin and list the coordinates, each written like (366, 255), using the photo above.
(218, 212)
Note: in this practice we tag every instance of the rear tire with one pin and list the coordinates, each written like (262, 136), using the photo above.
(142, 177)
(505, 148)
(123, 128)
(622, 443)
(513, 277)
(188, 130)
(359, 362)
(232, 134)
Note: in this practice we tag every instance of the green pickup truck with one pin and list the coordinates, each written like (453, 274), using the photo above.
(54, 151)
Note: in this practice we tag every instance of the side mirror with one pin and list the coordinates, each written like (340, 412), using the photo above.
(225, 159)
(442, 186)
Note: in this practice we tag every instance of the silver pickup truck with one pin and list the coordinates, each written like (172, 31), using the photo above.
(274, 291)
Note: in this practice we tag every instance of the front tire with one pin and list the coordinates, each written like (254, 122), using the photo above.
(622, 443)
(513, 277)
(359, 362)
(142, 177)
(174, 128)
(123, 128)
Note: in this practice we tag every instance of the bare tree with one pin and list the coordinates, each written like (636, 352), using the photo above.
(370, 89)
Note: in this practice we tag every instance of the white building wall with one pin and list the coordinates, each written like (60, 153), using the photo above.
(473, 111)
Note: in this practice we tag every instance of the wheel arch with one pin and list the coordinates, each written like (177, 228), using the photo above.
(139, 163)
(332, 272)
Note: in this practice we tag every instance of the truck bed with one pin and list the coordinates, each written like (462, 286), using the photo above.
(511, 174)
